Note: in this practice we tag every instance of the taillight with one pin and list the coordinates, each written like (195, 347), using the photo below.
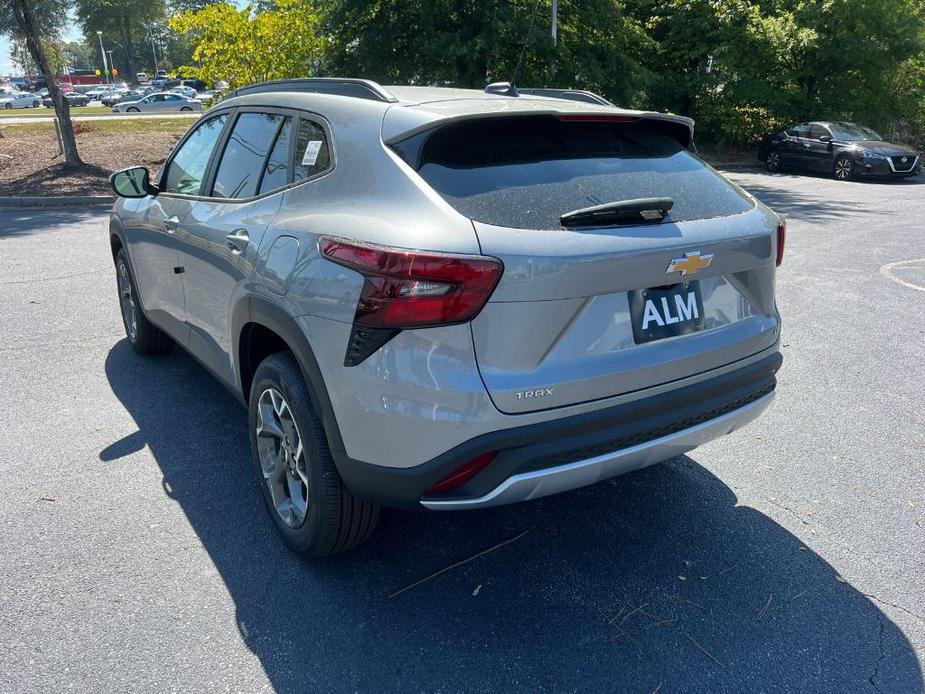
(463, 474)
(411, 289)
(781, 239)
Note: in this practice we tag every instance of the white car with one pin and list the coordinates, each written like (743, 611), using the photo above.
(188, 92)
(20, 100)
(159, 103)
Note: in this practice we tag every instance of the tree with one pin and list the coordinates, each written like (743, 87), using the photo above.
(469, 42)
(125, 19)
(34, 21)
(242, 47)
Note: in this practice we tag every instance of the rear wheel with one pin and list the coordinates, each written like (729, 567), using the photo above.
(132, 109)
(307, 500)
(144, 337)
(36, 104)
(773, 161)
(8, 105)
(186, 108)
(844, 168)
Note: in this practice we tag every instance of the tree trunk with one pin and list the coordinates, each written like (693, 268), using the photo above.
(128, 49)
(28, 28)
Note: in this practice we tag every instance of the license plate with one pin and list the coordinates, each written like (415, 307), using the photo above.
(666, 311)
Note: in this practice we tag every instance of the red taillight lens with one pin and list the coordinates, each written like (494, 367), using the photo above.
(781, 239)
(461, 475)
(412, 289)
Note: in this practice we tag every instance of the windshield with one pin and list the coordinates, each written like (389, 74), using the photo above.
(852, 131)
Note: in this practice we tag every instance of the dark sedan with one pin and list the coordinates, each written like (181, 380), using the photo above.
(73, 98)
(845, 150)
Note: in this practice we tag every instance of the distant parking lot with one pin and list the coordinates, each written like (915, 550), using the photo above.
(785, 557)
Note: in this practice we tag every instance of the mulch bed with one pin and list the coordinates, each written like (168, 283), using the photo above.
(36, 167)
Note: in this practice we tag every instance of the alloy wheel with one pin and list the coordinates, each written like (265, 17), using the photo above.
(773, 161)
(843, 169)
(282, 457)
(127, 302)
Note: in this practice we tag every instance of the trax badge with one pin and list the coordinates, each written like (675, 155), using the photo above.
(690, 263)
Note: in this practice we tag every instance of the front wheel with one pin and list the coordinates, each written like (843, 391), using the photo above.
(186, 108)
(844, 168)
(7, 105)
(36, 104)
(132, 109)
(144, 337)
(307, 500)
(773, 161)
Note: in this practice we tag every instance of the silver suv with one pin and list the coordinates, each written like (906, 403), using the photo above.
(447, 298)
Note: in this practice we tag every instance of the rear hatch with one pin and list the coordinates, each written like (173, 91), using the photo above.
(617, 299)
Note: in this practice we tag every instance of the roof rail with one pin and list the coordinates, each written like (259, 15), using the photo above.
(339, 86)
(569, 94)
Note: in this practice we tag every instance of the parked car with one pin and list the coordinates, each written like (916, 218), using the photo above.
(408, 289)
(160, 74)
(188, 92)
(158, 102)
(73, 98)
(845, 150)
(142, 78)
(100, 91)
(118, 97)
(20, 100)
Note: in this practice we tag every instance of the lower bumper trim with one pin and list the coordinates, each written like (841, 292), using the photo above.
(547, 481)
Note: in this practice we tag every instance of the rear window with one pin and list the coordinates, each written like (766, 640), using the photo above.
(525, 172)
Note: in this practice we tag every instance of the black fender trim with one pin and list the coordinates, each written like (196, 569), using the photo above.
(269, 315)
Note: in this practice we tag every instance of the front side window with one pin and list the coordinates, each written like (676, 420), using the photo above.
(818, 131)
(188, 166)
(242, 163)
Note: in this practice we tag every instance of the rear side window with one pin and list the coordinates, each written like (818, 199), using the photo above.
(276, 174)
(188, 166)
(242, 164)
(525, 172)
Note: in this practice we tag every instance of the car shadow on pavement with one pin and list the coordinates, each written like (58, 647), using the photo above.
(657, 578)
(23, 221)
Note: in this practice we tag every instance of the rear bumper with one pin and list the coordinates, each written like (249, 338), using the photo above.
(539, 483)
(560, 454)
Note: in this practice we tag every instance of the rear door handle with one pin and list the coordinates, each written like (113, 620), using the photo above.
(171, 224)
(237, 241)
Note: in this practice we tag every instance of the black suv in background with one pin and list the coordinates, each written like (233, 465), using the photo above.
(845, 150)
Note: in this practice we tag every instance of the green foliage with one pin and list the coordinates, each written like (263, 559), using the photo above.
(243, 46)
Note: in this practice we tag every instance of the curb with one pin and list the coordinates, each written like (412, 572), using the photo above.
(738, 166)
(56, 200)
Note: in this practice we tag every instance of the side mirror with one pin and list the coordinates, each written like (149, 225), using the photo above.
(133, 182)
(825, 138)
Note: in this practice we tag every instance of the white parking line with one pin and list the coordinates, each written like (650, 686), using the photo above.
(887, 271)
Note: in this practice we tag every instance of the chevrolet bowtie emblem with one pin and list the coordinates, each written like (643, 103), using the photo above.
(690, 263)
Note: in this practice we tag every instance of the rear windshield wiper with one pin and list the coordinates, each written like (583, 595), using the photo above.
(638, 211)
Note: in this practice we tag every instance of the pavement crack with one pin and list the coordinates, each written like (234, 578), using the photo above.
(894, 606)
(56, 277)
(873, 676)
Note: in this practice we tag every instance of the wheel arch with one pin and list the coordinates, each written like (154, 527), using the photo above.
(263, 328)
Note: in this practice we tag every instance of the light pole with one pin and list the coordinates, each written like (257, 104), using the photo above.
(154, 50)
(99, 35)
(110, 67)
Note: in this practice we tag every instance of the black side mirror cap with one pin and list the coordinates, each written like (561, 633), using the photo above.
(133, 182)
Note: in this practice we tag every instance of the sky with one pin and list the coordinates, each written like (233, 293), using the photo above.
(71, 33)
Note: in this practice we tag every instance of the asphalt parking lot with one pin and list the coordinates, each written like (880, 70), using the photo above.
(789, 556)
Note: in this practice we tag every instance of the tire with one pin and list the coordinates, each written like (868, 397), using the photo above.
(36, 104)
(326, 518)
(144, 337)
(843, 169)
(8, 105)
(133, 109)
(773, 161)
(186, 108)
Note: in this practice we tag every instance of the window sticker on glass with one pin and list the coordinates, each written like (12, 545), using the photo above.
(311, 153)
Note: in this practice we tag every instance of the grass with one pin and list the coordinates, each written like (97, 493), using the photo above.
(105, 127)
(42, 111)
